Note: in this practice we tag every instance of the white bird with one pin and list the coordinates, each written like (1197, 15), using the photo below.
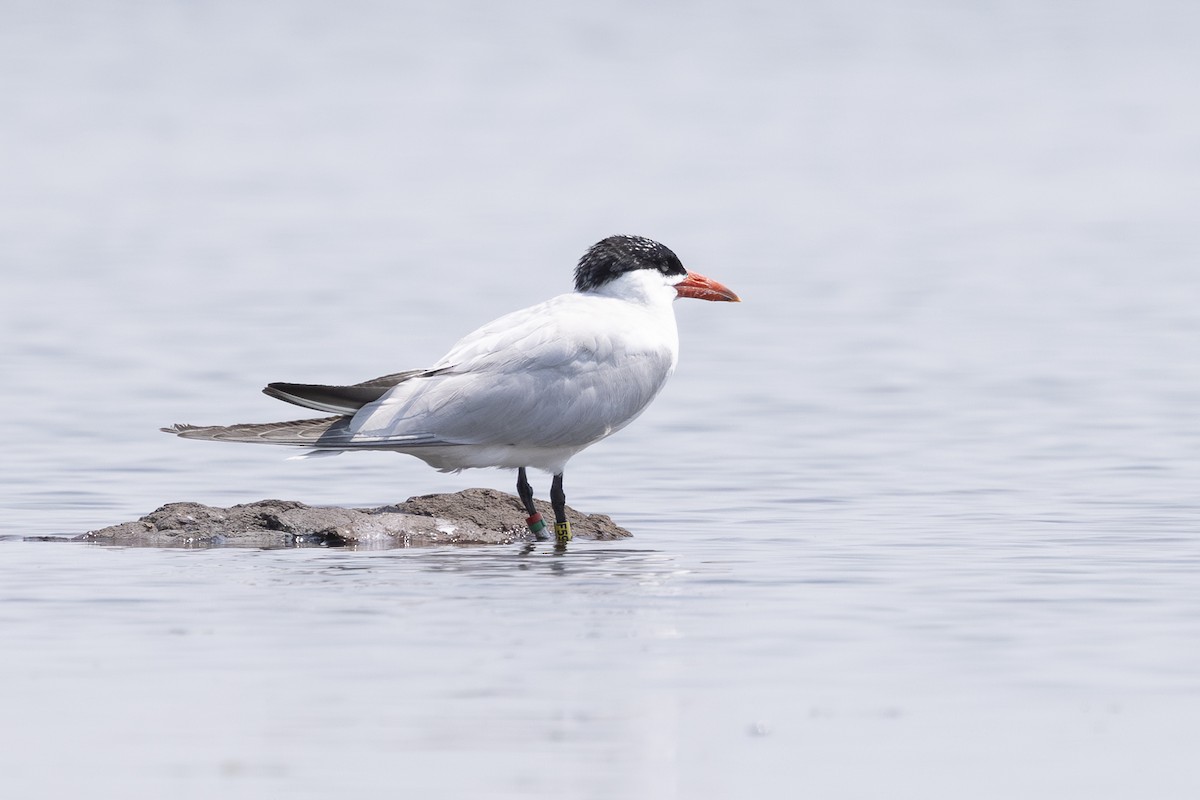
(531, 389)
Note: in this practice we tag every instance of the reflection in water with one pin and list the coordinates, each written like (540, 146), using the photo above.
(578, 559)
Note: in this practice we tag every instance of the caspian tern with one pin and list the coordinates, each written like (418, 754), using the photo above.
(531, 389)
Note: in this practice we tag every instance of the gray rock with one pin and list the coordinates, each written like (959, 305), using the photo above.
(472, 516)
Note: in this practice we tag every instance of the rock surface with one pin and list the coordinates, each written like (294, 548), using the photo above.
(472, 516)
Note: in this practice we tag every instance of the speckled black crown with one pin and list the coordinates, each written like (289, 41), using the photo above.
(616, 255)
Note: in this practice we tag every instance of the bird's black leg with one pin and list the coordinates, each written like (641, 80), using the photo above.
(558, 499)
(536, 526)
(525, 491)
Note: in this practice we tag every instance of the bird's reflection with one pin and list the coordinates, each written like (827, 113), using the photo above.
(556, 558)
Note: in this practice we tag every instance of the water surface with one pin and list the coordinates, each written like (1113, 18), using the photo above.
(916, 519)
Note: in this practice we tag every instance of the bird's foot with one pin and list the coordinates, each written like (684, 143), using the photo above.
(537, 526)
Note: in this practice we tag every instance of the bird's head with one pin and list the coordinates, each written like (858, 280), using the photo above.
(636, 258)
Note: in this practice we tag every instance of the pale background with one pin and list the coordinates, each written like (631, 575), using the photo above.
(917, 519)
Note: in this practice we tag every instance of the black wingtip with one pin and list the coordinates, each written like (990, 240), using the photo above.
(286, 393)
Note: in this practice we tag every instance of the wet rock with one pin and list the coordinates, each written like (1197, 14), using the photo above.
(472, 516)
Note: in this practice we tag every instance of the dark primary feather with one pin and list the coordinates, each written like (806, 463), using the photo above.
(344, 400)
(617, 255)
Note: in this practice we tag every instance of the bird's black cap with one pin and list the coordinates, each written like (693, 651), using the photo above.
(612, 257)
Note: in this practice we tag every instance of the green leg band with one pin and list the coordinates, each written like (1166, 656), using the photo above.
(536, 524)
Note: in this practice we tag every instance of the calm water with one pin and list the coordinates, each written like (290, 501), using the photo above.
(917, 519)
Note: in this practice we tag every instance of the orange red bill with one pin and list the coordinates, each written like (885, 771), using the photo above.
(701, 288)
